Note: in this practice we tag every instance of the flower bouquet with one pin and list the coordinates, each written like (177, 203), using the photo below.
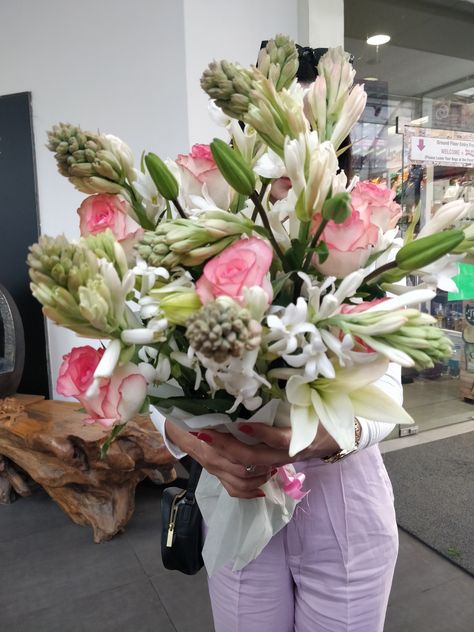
(248, 280)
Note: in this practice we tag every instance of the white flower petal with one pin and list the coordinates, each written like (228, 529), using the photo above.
(304, 427)
(372, 403)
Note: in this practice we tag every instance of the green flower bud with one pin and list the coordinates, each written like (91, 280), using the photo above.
(162, 177)
(421, 252)
(279, 61)
(180, 305)
(234, 169)
(337, 208)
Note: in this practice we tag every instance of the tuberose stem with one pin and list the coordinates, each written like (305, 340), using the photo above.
(313, 243)
(261, 211)
(180, 209)
(375, 273)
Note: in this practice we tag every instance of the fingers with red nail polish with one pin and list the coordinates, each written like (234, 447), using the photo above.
(204, 437)
(246, 429)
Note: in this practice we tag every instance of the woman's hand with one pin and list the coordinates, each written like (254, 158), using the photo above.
(238, 482)
(272, 447)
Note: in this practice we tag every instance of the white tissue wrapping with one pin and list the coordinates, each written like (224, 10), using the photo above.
(238, 529)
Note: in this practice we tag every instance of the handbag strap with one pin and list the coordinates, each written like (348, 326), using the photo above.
(194, 469)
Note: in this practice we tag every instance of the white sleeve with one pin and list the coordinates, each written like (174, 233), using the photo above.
(373, 432)
(158, 421)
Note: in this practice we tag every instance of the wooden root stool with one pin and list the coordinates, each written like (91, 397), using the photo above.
(51, 443)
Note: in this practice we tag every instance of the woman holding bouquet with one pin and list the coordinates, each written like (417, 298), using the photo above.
(330, 569)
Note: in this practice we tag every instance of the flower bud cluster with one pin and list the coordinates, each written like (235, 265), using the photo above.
(190, 242)
(278, 61)
(406, 336)
(93, 163)
(79, 291)
(222, 329)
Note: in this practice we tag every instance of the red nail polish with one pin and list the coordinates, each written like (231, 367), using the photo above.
(246, 428)
(260, 494)
(195, 434)
(204, 437)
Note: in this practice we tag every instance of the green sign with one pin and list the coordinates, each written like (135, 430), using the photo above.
(465, 282)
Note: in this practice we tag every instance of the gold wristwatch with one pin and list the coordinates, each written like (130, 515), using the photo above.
(343, 453)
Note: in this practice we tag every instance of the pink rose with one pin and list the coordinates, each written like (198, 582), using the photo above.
(356, 308)
(117, 400)
(243, 264)
(375, 204)
(102, 211)
(198, 169)
(350, 244)
(77, 370)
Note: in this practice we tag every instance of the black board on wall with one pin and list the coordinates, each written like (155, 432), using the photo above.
(19, 229)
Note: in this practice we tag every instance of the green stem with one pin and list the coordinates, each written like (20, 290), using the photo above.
(261, 211)
(313, 243)
(138, 208)
(180, 209)
(375, 273)
(260, 197)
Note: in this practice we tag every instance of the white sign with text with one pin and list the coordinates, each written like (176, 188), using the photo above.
(442, 151)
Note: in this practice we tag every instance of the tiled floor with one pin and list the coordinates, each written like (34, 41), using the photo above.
(435, 403)
(54, 579)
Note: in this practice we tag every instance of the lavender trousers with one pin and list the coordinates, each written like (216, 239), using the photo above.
(330, 569)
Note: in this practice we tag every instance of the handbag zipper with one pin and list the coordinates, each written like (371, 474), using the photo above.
(174, 511)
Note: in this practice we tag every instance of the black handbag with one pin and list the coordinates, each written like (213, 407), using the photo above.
(181, 530)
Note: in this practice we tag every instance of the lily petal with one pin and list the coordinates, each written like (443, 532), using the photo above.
(336, 413)
(304, 426)
(372, 403)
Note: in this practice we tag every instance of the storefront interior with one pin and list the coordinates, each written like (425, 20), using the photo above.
(420, 86)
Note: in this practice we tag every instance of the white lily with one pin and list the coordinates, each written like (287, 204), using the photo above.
(270, 165)
(335, 402)
(445, 217)
(439, 274)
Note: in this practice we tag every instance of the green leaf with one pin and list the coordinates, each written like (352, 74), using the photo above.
(195, 406)
(104, 448)
(238, 203)
(411, 227)
(294, 256)
(300, 208)
(278, 283)
(337, 208)
(322, 251)
(145, 408)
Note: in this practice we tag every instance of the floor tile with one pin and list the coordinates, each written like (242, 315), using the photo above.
(132, 607)
(419, 569)
(49, 567)
(186, 600)
(16, 519)
(448, 607)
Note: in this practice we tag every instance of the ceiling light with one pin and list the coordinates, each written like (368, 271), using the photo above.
(370, 79)
(378, 40)
(468, 92)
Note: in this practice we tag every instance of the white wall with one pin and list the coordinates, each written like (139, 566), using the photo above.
(225, 29)
(131, 69)
(109, 65)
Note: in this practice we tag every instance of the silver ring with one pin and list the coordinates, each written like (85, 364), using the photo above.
(250, 468)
